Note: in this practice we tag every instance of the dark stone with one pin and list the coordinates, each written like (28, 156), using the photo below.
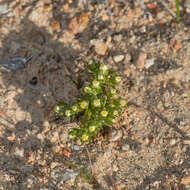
(34, 81)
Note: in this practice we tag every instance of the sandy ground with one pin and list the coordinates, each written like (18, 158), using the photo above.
(148, 149)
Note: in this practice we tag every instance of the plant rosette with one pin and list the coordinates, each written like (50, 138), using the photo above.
(99, 104)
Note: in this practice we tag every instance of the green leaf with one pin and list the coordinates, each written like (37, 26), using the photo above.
(74, 132)
(108, 122)
(177, 11)
(104, 100)
(94, 67)
(111, 72)
(86, 176)
(87, 114)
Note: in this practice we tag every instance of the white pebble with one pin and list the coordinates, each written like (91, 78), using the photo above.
(19, 152)
(149, 63)
(172, 142)
(40, 136)
(118, 58)
(116, 135)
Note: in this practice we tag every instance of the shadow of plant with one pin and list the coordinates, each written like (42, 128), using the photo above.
(29, 94)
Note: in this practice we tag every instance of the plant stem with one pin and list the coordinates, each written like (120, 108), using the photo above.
(177, 11)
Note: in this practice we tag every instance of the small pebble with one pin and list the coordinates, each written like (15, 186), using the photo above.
(185, 180)
(27, 168)
(125, 147)
(14, 63)
(74, 26)
(117, 37)
(118, 58)
(84, 19)
(146, 141)
(55, 137)
(149, 63)
(48, 7)
(20, 115)
(40, 103)
(32, 157)
(34, 81)
(185, 148)
(46, 124)
(11, 137)
(100, 47)
(186, 142)
(116, 135)
(19, 152)
(40, 136)
(141, 61)
(55, 25)
(54, 164)
(172, 142)
(3, 9)
(76, 147)
(187, 187)
(115, 168)
(69, 174)
(57, 149)
(127, 58)
(187, 5)
(161, 15)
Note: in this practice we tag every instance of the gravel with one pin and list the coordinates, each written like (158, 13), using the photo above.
(150, 140)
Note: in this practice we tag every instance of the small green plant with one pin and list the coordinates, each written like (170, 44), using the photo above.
(177, 11)
(99, 104)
